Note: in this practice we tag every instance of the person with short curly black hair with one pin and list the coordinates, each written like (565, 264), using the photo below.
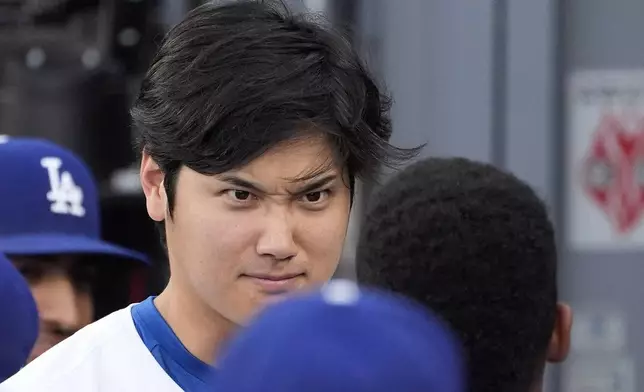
(474, 244)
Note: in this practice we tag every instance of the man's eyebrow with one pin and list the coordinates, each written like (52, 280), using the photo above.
(241, 183)
(317, 183)
(306, 187)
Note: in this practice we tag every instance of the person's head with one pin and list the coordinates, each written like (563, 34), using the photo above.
(50, 230)
(19, 326)
(342, 338)
(474, 244)
(253, 125)
(62, 288)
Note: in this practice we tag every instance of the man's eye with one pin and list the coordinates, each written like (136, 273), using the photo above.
(239, 195)
(316, 197)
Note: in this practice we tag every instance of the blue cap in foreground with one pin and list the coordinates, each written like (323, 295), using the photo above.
(342, 339)
(18, 320)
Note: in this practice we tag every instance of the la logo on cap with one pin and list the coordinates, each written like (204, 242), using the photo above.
(65, 196)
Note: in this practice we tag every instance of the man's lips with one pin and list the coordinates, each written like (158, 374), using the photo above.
(276, 283)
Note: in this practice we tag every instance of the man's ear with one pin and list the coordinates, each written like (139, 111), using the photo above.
(560, 340)
(152, 178)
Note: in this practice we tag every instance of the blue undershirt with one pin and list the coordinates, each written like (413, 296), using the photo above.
(188, 371)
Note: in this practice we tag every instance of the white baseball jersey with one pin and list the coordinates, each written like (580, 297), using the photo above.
(108, 355)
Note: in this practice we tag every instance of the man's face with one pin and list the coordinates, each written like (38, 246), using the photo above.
(60, 287)
(248, 236)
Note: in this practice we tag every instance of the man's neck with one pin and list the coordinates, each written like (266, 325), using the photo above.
(197, 326)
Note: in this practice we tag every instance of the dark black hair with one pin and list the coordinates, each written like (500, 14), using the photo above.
(474, 244)
(231, 81)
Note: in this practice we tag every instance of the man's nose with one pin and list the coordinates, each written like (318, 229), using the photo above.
(276, 239)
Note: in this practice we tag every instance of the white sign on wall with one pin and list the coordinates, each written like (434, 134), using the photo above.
(605, 160)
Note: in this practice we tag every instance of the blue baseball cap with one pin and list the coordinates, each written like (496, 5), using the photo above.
(49, 202)
(342, 339)
(19, 322)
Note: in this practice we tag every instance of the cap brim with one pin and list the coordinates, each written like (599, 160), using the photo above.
(38, 244)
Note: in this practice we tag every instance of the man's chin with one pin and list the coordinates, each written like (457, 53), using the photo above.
(265, 300)
(273, 298)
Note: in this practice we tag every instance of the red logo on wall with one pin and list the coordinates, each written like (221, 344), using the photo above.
(614, 172)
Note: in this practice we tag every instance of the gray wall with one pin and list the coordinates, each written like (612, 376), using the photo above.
(486, 80)
(442, 87)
